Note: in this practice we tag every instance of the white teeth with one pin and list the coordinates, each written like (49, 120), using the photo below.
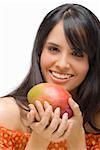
(61, 76)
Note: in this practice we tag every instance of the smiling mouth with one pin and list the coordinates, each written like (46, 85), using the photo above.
(61, 76)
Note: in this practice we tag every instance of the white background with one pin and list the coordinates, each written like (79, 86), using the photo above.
(19, 21)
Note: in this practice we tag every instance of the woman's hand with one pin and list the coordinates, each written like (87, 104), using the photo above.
(75, 134)
(46, 125)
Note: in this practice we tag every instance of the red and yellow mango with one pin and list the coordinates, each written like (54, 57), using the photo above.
(54, 94)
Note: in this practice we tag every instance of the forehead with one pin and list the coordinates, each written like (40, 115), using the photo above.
(70, 30)
(57, 33)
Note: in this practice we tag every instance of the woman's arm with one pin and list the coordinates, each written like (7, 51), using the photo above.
(75, 134)
(36, 144)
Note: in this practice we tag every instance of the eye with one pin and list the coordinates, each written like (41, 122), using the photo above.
(53, 49)
(77, 54)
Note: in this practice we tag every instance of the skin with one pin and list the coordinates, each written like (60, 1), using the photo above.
(49, 126)
(59, 58)
(58, 129)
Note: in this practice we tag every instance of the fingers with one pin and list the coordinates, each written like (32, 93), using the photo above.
(62, 127)
(36, 115)
(37, 111)
(39, 108)
(31, 117)
(46, 104)
(45, 120)
(52, 126)
(75, 107)
(55, 121)
(58, 126)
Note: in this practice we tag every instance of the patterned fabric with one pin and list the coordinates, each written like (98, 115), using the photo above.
(15, 140)
(58, 146)
(12, 140)
(93, 141)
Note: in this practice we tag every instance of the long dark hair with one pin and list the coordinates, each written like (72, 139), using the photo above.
(82, 30)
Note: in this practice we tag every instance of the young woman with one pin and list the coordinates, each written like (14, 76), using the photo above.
(66, 52)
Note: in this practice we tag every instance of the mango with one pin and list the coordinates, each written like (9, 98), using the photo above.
(54, 94)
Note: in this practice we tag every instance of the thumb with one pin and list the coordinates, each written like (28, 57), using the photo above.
(75, 107)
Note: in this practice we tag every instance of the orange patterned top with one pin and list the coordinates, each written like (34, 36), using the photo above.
(15, 140)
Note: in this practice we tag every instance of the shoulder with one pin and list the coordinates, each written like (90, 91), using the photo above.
(97, 119)
(9, 113)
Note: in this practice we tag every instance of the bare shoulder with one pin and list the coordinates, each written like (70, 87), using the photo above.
(97, 119)
(9, 113)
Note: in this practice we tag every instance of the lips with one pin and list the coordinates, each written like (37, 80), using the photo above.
(61, 76)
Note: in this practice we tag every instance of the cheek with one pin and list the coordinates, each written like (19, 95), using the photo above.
(47, 60)
(44, 61)
(83, 69)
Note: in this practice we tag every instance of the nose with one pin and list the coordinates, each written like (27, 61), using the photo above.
(63, 63)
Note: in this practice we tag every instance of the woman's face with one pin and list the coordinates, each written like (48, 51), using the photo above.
(60, 64)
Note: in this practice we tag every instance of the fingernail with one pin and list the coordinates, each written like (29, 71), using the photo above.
(36, 102)
(45, 102)
(65, 115)
(49, 108)
(31, 106)
(70, 100)
(57, 109)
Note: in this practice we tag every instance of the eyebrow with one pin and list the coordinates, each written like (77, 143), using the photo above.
(50, 43)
